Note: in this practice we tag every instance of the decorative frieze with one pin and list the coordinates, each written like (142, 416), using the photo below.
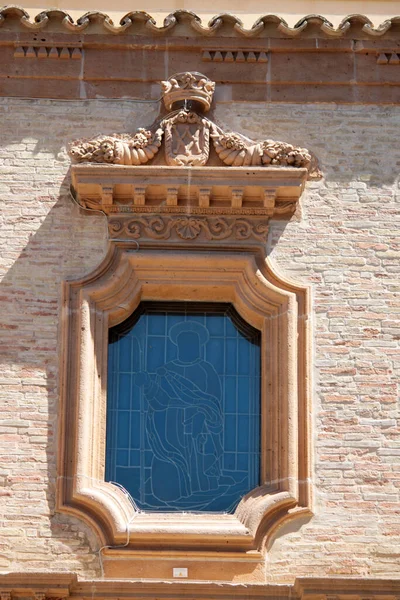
(188, 228)
(234, 56)
(187, 142)
(181, 197)
(40, 51)
(388, 58)
(129, 50)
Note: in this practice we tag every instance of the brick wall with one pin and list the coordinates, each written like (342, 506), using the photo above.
(343, 241)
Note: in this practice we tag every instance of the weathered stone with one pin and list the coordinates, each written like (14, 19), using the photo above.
(345, 249)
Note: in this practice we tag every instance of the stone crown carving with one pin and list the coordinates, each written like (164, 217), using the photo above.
(188, 86)
(187, 136)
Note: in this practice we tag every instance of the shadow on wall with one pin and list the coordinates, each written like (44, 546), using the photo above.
(351, 142)
(61, 244)
(48, 126)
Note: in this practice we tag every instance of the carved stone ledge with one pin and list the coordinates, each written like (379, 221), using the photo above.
(36, 585)
(304, 588)
(189, 203)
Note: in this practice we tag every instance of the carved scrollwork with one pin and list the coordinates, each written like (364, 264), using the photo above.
(234, 149)
(118, 149)
(189, 228)
(115, 226)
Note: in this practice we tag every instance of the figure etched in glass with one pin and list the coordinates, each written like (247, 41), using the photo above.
(184, 420)
(184, 459)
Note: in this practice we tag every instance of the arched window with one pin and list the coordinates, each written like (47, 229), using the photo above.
(183, 407)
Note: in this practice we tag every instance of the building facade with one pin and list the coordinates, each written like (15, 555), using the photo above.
(175, 194)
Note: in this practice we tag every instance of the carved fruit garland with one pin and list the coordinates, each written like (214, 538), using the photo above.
(234, 149)
(118, 149)
(191, 146)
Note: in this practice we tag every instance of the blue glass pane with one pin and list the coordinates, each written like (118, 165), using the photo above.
(183, 410)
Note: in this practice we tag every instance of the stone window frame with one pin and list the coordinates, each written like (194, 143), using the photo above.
(276, 306)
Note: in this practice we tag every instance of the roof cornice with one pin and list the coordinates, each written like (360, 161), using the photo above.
(183, 22)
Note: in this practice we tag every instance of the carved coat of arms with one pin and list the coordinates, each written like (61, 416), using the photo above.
(187, 134)
(187, 139)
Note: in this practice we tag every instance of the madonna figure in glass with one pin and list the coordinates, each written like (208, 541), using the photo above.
(183, 410)
(185, 421)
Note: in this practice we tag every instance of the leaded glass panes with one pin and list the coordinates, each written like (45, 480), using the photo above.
(183, 409)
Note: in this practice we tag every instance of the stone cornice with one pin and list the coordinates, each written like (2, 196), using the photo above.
(67, 585)
(141, 23)
(123, 189)
(51, 56)
(189, 205)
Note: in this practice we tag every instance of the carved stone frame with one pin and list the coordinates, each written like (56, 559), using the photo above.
(277, 307)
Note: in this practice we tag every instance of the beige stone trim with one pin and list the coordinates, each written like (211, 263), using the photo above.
(120, 189)
(36, 585)
(140, 22)
(63, 585)
(110, 294)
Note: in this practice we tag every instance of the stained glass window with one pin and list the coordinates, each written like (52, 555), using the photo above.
(183, 408)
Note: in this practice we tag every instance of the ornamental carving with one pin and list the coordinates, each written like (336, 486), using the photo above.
(188, 228)
(185, 180)
(187, 133)
(234, 149)
(176, 195)
(118, 149)
(188, 87)
(187, 139)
